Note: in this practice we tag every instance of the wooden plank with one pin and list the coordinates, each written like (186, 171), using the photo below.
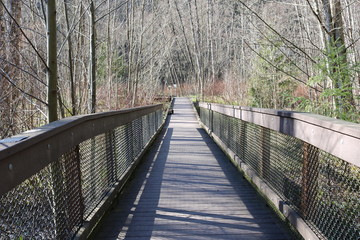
(186, 188)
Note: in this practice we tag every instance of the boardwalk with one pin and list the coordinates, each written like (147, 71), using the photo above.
(187, 189)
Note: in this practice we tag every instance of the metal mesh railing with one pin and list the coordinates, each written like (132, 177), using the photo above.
(53, 203)
(323, 189)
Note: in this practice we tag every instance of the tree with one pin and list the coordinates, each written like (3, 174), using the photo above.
(52, 61)
(337, 69)
(270, 86)
(70, 59)
(92, 63)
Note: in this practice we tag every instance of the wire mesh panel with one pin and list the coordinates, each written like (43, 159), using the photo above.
(336, 189)
(123, 149)
(47, 205)
(94, 171)
(53, 203)
(67, 197)
(137, 136)
(18, 208)
(146, 133)
(322, 188)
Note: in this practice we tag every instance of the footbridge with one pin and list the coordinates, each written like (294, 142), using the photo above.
(207, 171)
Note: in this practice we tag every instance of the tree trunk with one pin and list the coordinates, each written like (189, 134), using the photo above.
(210, 41)
(328, 17)
(338, 40)
(185, 37)
(131, 43)
(71, 64)
(52, 61)
(109, 58)
(80, 69)
(15, 38)
(3, 83)
(2, 28)
(92, 69)
(138, 57)
(197, 53)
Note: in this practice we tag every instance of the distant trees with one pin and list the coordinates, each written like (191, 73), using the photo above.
(113, 54)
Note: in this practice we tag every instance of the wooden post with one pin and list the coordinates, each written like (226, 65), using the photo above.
(309, 180)
(110, 156)
(211, 118)
(242, 143)
(75, 202)
(265, 153)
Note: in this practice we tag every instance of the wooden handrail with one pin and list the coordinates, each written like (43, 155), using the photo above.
(337, 137)
(24, 155)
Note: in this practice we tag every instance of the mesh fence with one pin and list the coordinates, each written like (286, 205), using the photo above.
(322, 188)
(54, 203)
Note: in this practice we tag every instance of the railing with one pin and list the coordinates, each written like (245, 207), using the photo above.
(57, 180)
(307, 165)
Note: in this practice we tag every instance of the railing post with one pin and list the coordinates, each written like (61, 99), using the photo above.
(242, 142)
(130, 143)
(309, 180)
(58, 196)
(160, 119)
(110, 156)
(211, 118)
(93, 166)
(141, 134)
(75, 203)
(265, 153)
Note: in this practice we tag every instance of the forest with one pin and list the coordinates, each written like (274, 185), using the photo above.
(69, 57)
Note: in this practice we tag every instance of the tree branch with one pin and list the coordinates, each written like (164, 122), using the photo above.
(74, 24)
(23, 33)
(318, 18)
(3, 73)
(23, 70)
(112, 10)
(279, 69)
(274, 45)
(276, 32)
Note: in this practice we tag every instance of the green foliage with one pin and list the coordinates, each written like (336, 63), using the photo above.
(334, 76)
(269, 86)
(334, 67)
(119, 70)
(101, 64)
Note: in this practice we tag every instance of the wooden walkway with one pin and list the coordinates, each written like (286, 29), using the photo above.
(186, 188)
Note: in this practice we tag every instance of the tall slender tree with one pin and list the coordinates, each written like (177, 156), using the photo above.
(92, 63)
(70, 59)
(52, 61)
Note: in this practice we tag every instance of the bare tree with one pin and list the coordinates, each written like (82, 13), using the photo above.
(52, 61)
(92, 63)
(70, 59)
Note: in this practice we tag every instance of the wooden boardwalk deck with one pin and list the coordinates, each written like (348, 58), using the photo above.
(186, 188)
